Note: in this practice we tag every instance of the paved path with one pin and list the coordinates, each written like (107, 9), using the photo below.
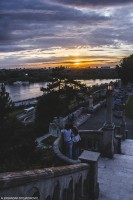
(116, 175)
(97, 120)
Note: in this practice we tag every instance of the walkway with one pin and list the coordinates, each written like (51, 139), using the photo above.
(97, 120)
(115, 176)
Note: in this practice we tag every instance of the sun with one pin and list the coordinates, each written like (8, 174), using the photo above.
(77, 63)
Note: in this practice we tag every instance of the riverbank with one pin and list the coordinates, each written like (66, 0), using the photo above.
(47, 74)
(26, 102)
(30, 91)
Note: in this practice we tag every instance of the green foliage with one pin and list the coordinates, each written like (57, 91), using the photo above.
(32, 75)
(49, 141)
(125, 69)
(60, 102)
(18, 149)
(17, 143)
(129, 108)
(92, 73)
(58, 73)
(51, 105)
(5, 104)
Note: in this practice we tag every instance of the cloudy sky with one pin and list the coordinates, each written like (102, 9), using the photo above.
(76, 33)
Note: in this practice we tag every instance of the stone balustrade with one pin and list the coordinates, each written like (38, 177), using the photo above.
(77, 181)
(59, 123)
(119, 136)
(91, 140)
(99, 105)
(86, 156)
(56, 183)
(99, 93)
(78, 117)
(58, 148)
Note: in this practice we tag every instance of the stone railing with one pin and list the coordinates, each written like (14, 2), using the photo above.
(99, 93)
(91, 140)
(59, 183)
(119, 136)
(79, 117)
(95, 139)
(58, 148)
(99, 105)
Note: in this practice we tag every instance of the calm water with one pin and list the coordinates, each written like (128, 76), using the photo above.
(23, 92)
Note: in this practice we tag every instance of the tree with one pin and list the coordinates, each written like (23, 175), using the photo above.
(5, 104)
(18, 149)
(125, 69)
(17, 141)
(58, 102)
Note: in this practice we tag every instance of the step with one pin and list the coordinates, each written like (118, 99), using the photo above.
(115, 178)
(127, 147)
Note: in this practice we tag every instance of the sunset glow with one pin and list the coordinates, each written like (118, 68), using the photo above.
(53, 33)
(77, 63)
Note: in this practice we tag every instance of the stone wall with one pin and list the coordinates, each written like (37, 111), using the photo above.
(58, 150)
(59, 123)
(77, 118)
(91, 140)
(59, 183)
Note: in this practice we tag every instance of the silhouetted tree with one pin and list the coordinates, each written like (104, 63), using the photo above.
(5, 104)
(58, 102)
(125, 69)
(17, 141)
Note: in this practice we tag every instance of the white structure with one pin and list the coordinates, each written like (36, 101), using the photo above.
(90, 103)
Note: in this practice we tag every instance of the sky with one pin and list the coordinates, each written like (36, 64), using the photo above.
(74, 33)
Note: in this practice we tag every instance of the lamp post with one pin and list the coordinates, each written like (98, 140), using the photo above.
(108, 127)
(119, 83)
(91, 103)
(109, 94)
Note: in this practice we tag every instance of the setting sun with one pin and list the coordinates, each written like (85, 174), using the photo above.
(77, 63)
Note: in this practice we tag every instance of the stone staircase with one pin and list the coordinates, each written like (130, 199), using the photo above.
(116, 175)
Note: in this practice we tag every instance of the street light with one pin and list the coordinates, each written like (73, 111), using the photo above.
(108, 123)
(91, 103)
(108, 127)
(110, 87)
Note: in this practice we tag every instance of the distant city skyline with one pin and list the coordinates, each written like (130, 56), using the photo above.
(73, 33)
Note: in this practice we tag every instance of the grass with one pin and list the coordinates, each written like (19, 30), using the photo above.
(129, 108)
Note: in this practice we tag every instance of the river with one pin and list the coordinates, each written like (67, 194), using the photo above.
(20, 92)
